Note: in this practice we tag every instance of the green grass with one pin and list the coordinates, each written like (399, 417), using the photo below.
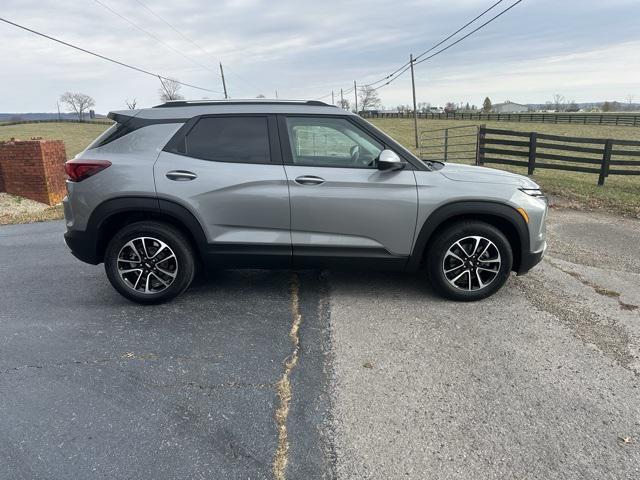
(620, 194)
(76, 136)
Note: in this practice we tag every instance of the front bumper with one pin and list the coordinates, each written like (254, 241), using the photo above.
(530, 260)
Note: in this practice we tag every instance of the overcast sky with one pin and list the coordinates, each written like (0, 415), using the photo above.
(587, 50)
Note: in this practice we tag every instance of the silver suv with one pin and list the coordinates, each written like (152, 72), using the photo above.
(264, 184)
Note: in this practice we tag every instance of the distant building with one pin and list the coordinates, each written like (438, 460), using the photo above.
(509, 107)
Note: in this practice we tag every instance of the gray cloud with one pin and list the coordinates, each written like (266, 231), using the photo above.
(303, 49)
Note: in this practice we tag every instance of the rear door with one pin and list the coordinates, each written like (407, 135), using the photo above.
(342, 207)
(227, 170)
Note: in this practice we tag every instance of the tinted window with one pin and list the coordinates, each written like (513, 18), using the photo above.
(230, 139)
(112, 133)
(331, 142)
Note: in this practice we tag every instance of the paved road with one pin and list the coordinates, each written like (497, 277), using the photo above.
(92, 386)
(541, 381)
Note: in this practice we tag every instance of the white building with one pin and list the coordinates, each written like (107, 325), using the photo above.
(509, 107)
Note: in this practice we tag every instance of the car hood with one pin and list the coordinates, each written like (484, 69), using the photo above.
(470, 173)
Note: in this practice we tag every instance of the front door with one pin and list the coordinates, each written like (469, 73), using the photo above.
(227, 170)
(342, 206)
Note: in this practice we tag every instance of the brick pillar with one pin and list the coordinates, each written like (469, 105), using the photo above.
(33, 169)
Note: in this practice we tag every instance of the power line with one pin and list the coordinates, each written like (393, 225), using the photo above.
(459, 30)
(155, 37)
(103, 57)
(406, 66)
(454, 43)
(436, 45)
(468, 34)
(166, 22)
(191, 41)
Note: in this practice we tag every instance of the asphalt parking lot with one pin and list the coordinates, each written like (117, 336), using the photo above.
(540, 381)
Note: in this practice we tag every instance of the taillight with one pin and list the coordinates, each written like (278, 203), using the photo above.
(78, 170)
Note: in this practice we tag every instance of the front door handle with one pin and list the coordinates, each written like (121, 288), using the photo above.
(309, 180)
(181, 175)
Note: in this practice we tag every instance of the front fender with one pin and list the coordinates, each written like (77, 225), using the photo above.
(468, 209)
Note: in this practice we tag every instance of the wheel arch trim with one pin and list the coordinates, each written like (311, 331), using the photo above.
(449, 211)
(149, 205)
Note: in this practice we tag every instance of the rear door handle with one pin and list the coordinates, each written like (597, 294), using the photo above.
(181, 175)
(309, 180)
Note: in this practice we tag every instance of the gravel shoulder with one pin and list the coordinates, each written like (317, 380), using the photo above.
(539, 381)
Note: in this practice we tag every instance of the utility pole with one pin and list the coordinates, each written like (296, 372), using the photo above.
(276, 94)
(355, 94)
(415, 112)
(341, 99)
(59, 117)
(332, 100)
(224, 84)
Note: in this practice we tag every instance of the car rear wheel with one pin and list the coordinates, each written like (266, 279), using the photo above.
(469, 261)
(149, 262)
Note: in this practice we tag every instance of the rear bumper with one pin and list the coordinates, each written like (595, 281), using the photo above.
(530, 260)
(82, 245)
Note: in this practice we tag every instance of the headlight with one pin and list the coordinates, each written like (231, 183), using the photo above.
(534, 192)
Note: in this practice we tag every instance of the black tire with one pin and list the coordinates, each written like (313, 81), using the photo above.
(447, 238)
(184, 261)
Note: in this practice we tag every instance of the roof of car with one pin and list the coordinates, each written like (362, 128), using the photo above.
(184, 109)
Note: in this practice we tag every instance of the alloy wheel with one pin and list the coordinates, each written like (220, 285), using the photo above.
(471, 263)
(147, 265)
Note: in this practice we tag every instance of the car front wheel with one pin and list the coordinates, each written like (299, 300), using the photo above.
(149, 262)
(469, 261)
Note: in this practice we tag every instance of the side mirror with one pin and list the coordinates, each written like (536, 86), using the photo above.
(390, 161)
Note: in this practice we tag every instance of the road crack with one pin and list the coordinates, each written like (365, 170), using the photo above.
(605, 292)
(283, 387)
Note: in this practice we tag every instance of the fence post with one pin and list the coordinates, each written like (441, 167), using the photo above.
(480, 155)
(533, 142)
(606, 159)
(446, 143)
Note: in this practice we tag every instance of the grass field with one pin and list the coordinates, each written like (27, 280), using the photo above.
(76, 136)
(620, 194)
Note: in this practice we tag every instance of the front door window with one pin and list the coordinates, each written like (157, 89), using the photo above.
(331, 142)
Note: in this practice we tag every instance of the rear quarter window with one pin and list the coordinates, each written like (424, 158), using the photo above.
(230, 139)
(112, 133)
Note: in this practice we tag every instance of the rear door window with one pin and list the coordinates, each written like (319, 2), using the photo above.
(230, 139)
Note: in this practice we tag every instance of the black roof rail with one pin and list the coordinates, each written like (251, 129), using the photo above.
(200, 103)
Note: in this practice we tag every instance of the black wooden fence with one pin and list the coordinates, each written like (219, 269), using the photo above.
(621, 119)
(533, 150)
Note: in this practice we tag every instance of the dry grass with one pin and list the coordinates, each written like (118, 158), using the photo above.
(22, 210)
(620, 194)
(283, 387)
(76, 136)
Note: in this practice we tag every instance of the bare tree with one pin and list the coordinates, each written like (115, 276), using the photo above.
(630, 98)
(77, 102)
(558, 101)
(131, 105)
(170, 90)
(344, 103)
(368, 98)
(260, 96)
(572, 106)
